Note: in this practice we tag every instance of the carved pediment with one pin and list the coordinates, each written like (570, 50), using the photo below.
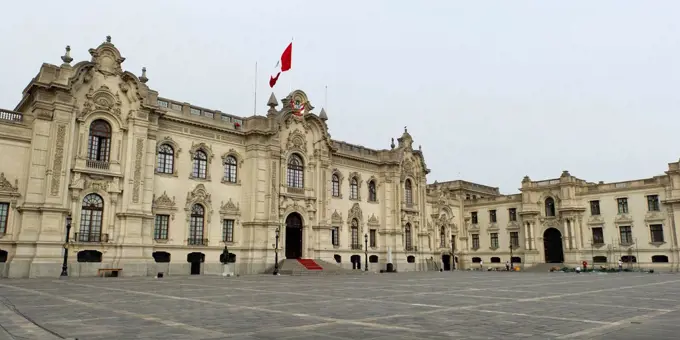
(356, 175)
(355, 212)
(297, 141)
(595, 220)
(6, 188)
(336, 217)
(107, 59)
(373, 220)
(199, 196)
(513, 225)
(654, 216)
(442, 220)
(164, 202)
(623, 218)
(229, 208)
(407, 169)
(203, 147)
(550, 221)
(169, 141)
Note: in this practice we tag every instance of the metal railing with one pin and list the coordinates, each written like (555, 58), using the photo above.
(356, 247)
(101, 165)
(197, 241)
(90, 237)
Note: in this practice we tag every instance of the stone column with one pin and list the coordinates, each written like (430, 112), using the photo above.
(567, 234)
(527, 236)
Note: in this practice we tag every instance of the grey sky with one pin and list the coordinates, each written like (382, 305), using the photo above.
(492, 90)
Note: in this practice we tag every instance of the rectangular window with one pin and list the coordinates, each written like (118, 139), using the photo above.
(595, 208)
(475, 241)
(514, 239)
(473, 217)
(623, 205)
(512, 214)
(228, 231)
(656, 231)
(653, 202)
(626, 235)
(492, 216)
(160, 231)
(335, 236)
(598, 236)
(355, 238)
(494, 240)
(4, 216)
(372, 238)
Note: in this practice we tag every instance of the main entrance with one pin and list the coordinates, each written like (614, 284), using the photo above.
(552, 245)
(356, 261)
(294, 236)
(196, 259)
(446, 260)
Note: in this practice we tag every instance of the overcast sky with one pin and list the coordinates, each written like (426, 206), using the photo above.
(492, 90)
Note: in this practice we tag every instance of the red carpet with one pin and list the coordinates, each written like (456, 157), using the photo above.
(310, 264)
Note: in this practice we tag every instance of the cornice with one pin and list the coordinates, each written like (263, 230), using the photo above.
(201, 125)
(361, 159)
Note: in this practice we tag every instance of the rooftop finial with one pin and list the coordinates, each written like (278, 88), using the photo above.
(392, 145)
(108, 39)
(66, 58)
(323, 115)
(405, 131)
(272, 103)
(143, 78)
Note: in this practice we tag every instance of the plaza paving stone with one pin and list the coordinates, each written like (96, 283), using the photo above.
(450, 305)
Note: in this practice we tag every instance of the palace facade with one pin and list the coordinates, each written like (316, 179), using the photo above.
(98, 167)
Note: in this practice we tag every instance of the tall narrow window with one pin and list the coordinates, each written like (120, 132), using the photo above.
(494, 240)
(335, 236)
(353, 189)
(4, 214)
(295, 172)
(407, 237)
(230, 169)
(549, 206)
(514, 239)
(623, 205)
(598, 236)
(408, 192)
(99, 143)
(200, 169)
(474, 219)
(442, 237)
(335, 186)
(653, 202)
(372, 193)
(166, 159)
(475, 241)
(91, 219)
(372, 239)
(228, 231)
(196, 225)
(355, 234)
(512, 214)
(492, 216)
(160, 230)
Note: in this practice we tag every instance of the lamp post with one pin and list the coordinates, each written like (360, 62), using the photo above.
(366, 252)
(453, 252)
(511, 245)
(276, 251)
(64, 266)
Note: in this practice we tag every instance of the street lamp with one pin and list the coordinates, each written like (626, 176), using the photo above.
(64, 266)
(453, 252)
(366, 252)
(511, 245)
(276, 251)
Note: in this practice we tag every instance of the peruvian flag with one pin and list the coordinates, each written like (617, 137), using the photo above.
(282, 65)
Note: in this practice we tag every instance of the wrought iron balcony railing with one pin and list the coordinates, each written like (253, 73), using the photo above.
(197, 241)
(90, 237)
(101, 165)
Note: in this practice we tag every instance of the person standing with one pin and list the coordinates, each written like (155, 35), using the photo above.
(481, 264)
(620, 265)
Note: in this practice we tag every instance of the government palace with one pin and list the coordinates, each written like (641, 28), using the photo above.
(101, 170)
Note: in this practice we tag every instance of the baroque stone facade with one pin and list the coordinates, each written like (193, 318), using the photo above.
(153, 184)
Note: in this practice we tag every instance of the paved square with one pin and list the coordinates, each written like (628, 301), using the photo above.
(458, 305)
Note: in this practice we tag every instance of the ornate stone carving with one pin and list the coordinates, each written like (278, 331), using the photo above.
(297, 141)
(57, 166)
(623, 219)
(407, 169)
(138, 170)
(373, 221)
(199, 196)
(103, 100)
(550, 221)
(107, 59)
(355, 212)
(7, 189)
(96, 183)
(235, 154)
(274, 192)
(203, 147)
(374, 180)
(595, 220)
(230, 209)
(163, 204)
(336, 217)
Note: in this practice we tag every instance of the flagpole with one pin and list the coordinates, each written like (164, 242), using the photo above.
(290, 83)
(255, 99)
(325, 104)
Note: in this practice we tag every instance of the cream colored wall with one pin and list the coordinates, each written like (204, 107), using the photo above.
(15, 172)
(484, 228)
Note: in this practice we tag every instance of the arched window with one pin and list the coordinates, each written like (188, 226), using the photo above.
(372, 193)
(442, 236)
(296, 170)
(335, 186)
(99, 144)
(230, 169)
(549, 206)
(408, 192)
(355, 234)
(353, 189)
(476, 259)
(196, 225)
(373, 259)
(411, 259)
(91, 219)
(659, 258)
(200, 168)
(166, 159)
(495, 259)
(407, 237)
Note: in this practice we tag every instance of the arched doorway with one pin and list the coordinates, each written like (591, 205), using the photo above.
(446, 260)
(196, 259)
(294, 236)
(552, 244)
(356, 261)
